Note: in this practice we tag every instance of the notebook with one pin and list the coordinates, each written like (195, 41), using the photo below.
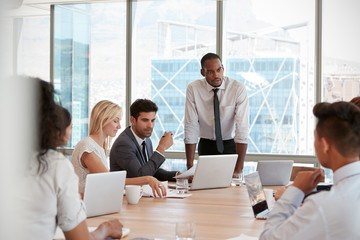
(214, 171)
(104, 192)
(275, 172)
(256, 195)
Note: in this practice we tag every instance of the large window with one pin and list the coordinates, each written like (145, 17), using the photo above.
(341, 50)
(269, 46)
(89, 59)
(33, 47)
(168, 39)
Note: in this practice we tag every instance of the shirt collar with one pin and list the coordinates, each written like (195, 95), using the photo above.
(210, 88)
(346, 171)
(139, 140)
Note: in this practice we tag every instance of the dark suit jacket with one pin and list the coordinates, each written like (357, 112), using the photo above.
(126, 155)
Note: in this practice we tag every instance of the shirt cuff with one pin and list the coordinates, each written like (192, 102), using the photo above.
(293, 195)
(159, 153)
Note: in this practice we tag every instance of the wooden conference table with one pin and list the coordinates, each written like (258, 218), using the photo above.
(218, 213)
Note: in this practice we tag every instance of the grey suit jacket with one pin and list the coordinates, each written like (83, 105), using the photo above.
(126, 155)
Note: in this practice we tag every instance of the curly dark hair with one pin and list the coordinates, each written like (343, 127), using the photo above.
(66, 121)
(142, 105)
(50, 121)
(340, 122)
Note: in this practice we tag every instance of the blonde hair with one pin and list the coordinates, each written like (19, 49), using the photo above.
(103, 113)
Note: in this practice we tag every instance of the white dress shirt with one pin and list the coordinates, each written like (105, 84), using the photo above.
(140, 141)
(329, 215)
(52, 198)
(199, 111)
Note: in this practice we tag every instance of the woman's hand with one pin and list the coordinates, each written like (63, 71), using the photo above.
(157, 187)
(111, 228)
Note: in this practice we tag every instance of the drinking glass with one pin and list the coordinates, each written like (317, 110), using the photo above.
(182, 185)
(185, 231)
(237, 179)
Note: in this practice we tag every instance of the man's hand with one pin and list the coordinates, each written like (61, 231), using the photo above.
(165, 142)
(279, 192)
(306, 181)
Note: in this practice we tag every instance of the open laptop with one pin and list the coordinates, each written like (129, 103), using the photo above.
(214, 171)
(104, 193)
(256, 195)
(275, 172)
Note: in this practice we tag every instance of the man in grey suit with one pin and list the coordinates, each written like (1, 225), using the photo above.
(133, 151)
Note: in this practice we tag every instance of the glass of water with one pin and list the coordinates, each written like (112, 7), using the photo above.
(185, 231)
(182, 185)
(237, 179)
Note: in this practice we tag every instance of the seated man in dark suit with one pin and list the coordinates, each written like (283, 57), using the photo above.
(133, 151)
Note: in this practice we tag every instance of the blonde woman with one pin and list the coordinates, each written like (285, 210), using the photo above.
(90, 153)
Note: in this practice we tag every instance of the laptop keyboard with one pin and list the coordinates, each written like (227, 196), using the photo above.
(263, 215)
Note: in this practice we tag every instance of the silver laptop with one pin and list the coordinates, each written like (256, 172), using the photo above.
(214, 171)
(256, 195)
(104, 193)
(275, 172)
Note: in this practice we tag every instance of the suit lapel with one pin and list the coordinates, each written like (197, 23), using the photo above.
(138, 148)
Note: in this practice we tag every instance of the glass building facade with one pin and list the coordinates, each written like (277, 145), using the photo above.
(272, 85)
(71, 65)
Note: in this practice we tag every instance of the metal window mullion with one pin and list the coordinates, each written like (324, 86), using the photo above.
(318, 50)
(52, 37)
(128, 60)
(219, 27)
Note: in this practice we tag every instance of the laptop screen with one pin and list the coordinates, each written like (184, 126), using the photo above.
(256, 193)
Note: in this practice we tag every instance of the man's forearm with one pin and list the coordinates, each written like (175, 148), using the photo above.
(190, 154)
(241, 152)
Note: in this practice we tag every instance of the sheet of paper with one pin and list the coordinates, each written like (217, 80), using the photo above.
(170, 193)
(59, 235)
(243, 237)
(188, 173)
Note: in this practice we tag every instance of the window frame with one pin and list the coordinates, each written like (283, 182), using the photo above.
(219, 47)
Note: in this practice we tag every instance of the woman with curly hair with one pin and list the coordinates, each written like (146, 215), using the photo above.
(52, 199)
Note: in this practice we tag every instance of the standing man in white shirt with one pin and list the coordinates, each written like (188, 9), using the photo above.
(333, 214)
(217, 111)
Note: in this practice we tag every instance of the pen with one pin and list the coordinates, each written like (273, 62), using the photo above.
(164, 136)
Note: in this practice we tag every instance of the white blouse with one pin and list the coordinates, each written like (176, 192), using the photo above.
(86, 145)
(52, 198)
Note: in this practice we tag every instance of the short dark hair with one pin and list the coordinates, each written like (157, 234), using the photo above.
(340, 122)
(356, 101)
(142, 105)
(207, 57)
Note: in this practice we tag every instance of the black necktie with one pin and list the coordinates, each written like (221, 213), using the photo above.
(219, 142)
(144, 150)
